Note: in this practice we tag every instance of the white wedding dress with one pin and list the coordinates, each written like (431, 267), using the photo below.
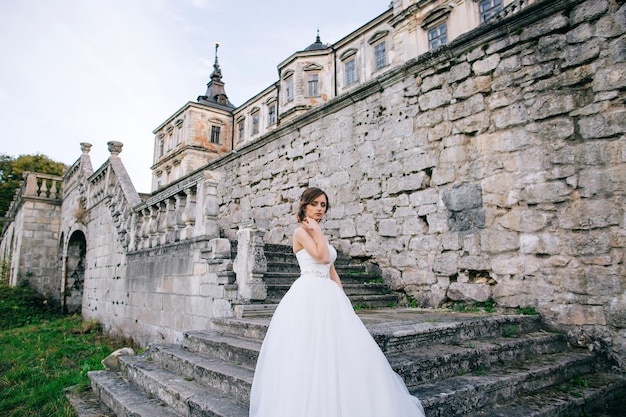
(319, 360)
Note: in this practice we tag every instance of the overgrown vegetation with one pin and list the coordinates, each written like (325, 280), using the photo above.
(11, 170)
(42, 353)
(527, 311)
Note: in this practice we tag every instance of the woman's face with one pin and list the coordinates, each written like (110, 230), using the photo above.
(316, 208)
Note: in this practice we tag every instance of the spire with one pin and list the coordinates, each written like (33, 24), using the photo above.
(217, 72)
(215, 92)
(317, 45)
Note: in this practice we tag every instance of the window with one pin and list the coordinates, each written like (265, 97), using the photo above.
(489, 8)
(179, 136)
(289, 89)
(271, 112)
(161, 147)
(240, 130)
(380, 55)
(215, 134)
(255, 123)
(312, 82)
(437, 36)
(350, 71)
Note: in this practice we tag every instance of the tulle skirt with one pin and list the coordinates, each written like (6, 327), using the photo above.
(319, 360)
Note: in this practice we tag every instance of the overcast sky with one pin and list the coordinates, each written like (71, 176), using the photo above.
(93, 71)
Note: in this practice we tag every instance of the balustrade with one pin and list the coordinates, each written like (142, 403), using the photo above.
(181, 212)
(42, 186)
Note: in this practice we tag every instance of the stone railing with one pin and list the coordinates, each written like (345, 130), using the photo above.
(511, 9)
(81, 169)
(185, 210)
(42, 186)
(38, 186)
(112, 182)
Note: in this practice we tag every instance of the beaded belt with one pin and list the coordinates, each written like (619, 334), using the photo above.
(314, 273)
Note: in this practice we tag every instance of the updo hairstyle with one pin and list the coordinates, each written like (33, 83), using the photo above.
(307, 198)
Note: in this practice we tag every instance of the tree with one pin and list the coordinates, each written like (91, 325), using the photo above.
(11, 170)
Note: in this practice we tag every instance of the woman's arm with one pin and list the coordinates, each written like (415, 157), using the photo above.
(335, 277)
(311, 238)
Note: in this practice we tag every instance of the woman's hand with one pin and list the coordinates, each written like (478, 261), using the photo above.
(311, 224)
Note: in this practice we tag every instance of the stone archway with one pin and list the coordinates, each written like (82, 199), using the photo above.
(74, 277)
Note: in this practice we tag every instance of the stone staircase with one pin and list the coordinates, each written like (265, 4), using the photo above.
(361, 282)
(458, 364)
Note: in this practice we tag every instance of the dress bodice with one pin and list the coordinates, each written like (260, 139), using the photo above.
(310, 266)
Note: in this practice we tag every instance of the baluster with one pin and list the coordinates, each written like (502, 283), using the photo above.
(53, 189)
(43, 189)
(180, 212)
(190, 215)
(152, 226)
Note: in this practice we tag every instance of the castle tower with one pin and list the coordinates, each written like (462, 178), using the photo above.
(197, 133)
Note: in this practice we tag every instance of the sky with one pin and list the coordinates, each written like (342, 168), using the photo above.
(93, 71)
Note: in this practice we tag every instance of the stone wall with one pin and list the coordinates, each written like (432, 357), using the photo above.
(492, 168)
(29, 247)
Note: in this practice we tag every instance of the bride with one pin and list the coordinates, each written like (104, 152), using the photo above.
(317, 358)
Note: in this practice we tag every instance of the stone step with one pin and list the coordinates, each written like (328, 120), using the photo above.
(156, 392)
(359, 301)
(582, 396)
(458, 364)
(255, 310)
(461, 395)
(248, 327)
(438, 362)
(281, 277)
(414, 328)
(414, 366)
(230, 379)
(241, 351)
(125, 399)
(399, 329)
(275, 290)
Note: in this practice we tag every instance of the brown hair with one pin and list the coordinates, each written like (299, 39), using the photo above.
(307, 198)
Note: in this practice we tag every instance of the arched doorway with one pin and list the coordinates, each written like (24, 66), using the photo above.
(74, 273)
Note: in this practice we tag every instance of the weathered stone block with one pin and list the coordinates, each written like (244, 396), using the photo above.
(524, 220)
(434, 99)
(590, 214)
(469, 292)
(486, 65)
(446, 263)
(474, 104)
(463, 197)
(588, 11)
(603, 125)
(552, 192)
(579, 314)
(388, 228)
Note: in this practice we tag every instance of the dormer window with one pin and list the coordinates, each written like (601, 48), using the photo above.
(161, 144)
(380, 55)
(271, 111)
(288, 86)
(215, 134)
(313, 85)
(240, 129)
(438, 36)
(255, 120)
(436, 26)
(379, 42)
(349, 66)
(488, 8)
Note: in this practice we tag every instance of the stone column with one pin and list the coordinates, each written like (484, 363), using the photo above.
(250, 264)
(211, 208)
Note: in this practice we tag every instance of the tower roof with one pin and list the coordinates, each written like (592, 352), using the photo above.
(317, 45)
(215, 93)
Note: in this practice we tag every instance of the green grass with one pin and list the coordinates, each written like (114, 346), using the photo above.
(42, 353)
